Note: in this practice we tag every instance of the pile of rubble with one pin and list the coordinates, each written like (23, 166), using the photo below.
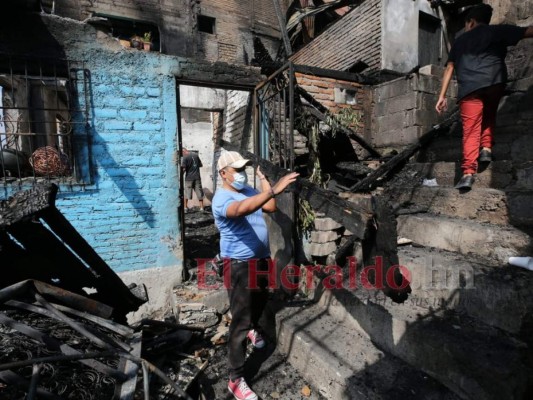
(63, 331)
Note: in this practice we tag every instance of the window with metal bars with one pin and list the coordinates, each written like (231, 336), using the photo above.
(43, 120)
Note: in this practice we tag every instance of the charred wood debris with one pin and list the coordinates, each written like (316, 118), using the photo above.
(63, 329)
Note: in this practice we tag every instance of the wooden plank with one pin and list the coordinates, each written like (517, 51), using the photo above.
(49, 257)
(26, 204)
(111, 289)
(283, 28)
(330, 73)
(368, 182)
(382, 242)
(353, 216)
(126, 390)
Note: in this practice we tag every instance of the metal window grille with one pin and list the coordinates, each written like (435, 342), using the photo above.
(43, 113)
(275, 125)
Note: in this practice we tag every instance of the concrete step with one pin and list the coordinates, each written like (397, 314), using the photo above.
(516, 145)
(474, 360)
(499, 297)
(494, 243)
(482, 205)
(345, 364)
(497, 175)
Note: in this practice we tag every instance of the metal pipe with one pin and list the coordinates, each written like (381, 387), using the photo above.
(146, 381)
(291, 112)
(36, 374)
(159, 373)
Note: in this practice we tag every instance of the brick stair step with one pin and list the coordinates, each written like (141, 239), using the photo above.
(495, 243)
(499, 297)
(472, 359)
(344, 364)
(482, 205)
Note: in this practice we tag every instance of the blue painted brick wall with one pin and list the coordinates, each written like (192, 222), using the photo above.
(129, 211)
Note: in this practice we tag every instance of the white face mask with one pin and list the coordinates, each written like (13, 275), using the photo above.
(240, 179)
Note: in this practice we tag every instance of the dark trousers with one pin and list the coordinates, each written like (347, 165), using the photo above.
(246, 307)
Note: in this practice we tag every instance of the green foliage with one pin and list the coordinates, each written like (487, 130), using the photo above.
(147, 38)
(346, 117)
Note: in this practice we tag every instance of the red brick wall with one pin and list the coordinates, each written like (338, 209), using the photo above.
(356, 36)
(323, 90)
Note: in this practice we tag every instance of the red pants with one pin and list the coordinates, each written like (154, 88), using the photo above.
(478, 112)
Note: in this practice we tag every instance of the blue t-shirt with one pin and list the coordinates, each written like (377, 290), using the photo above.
(241, 238)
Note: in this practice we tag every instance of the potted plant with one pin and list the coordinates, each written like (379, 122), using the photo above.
(136, 42)
(147, 41)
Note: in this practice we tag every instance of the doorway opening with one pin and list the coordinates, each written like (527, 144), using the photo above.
(207, 117)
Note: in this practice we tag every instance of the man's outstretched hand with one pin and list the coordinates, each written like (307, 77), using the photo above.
(285, 181)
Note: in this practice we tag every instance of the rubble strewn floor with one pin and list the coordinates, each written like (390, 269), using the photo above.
(271, 376)
(201, 238)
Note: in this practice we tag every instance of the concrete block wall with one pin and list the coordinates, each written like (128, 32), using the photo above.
(404, 109)
(324, 240)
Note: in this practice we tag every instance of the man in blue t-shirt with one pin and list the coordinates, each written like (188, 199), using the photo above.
(478, 58)
(238, 211)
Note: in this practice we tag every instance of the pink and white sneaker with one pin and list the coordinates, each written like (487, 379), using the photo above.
(257, 340)
(240, 390)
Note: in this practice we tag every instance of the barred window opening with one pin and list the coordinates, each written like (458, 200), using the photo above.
(43, 112)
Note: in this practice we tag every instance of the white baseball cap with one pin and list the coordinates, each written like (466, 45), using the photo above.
(231, 159)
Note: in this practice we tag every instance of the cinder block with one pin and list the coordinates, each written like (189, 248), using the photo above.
(324, 236)
(322, 249)
(432, 70)
(326, 224)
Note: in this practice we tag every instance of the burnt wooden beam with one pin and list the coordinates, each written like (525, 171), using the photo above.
(353, 215)
(382, 242)
(368, 182)
(283, 28)
(56, 250)
(112, 289)
(324, 115)
(370, 219)
(26, 204)
(330, 73)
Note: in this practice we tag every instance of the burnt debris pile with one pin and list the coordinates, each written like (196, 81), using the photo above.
(63, 330)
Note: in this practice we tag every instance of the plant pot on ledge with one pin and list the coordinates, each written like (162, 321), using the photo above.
(147, 41)
(147, 46)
